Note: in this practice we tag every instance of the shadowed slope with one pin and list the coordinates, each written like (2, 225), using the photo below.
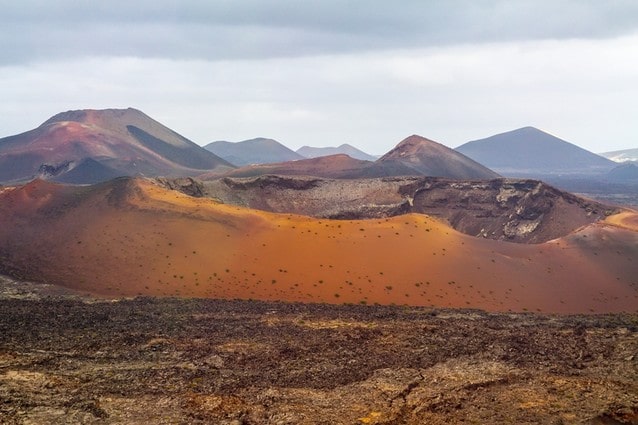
(126, 141)
(130, 237)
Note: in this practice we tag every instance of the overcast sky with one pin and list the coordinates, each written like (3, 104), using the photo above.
(322, 73)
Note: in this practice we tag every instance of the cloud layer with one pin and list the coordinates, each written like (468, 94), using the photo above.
(253, 29)
(323, 74)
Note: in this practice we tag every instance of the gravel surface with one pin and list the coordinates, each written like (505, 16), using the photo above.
(67, 359)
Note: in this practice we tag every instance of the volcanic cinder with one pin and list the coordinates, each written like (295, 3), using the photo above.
(133, 237)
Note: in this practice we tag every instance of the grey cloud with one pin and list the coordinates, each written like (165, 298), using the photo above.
(216, 30)
(581, 90)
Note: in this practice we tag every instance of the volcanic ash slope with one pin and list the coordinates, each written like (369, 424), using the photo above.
(131, 237)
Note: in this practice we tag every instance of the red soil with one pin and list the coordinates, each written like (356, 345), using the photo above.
(332, 166)
(131, 237)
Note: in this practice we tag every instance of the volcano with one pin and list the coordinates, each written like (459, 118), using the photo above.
(130, 236)
(432, 159)
(118, 142)
(530, 152)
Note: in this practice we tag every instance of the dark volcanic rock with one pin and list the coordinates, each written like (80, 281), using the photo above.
(46, 171)
(526, 211)
(186, 185)
(274, 181)
(88, 171)
(515, 210)
(228, 362)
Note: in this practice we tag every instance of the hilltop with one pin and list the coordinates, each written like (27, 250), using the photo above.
(430, 158)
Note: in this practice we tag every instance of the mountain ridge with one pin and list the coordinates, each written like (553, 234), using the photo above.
(259, 150)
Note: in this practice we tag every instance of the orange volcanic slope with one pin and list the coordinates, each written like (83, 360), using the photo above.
(129, 237)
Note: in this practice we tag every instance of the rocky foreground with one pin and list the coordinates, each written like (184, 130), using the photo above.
(65, 359)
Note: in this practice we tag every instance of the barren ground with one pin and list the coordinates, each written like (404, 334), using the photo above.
(133, 238)
(65, 359)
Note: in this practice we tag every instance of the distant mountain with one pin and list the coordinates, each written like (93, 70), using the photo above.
(429, 158)
(414, 156)
(351, 151)
(253, 151)
(118, 142)
(627, 172)
(531, 152)
(622, 155)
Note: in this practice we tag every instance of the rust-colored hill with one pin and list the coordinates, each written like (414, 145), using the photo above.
(129, 237)
(338, 166)
(433, 159)
(103, 144)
